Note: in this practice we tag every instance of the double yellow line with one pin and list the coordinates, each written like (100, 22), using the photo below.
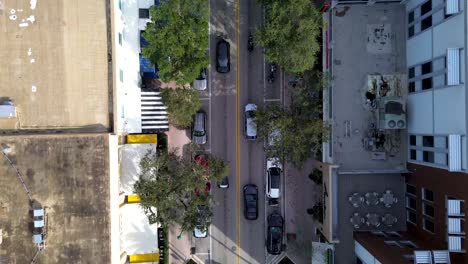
(238, 197)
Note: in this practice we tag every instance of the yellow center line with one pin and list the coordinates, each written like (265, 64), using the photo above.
(237, 8)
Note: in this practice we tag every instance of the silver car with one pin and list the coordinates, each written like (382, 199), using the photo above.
(199, 128)
(200, 83)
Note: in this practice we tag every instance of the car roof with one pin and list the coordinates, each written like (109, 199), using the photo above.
(275, 219)
(250, 189)
(250, 107)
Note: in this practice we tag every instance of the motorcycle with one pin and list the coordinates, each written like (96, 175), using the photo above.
(271, 75)
(250, 43)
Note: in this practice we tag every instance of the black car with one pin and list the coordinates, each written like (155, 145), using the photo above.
(224, 184)
(275, 234)
(223, 58)
(250, 202)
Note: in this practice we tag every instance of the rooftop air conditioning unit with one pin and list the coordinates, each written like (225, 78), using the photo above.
(392, 113)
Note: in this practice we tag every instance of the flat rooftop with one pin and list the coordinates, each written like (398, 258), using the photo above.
(54, 61)
(367, 41)
(68, 175)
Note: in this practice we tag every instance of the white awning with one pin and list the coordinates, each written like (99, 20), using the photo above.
(422, 257)
(454, 207)
(453, 66)
(452, 7)
(454, 226)
(455, 153)
(441, 256)
(454, 244)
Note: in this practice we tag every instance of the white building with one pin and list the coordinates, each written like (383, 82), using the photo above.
(437, 99)
(136, 110)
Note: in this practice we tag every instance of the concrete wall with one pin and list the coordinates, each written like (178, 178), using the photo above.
(420, 113)
(419, 48)
(449, 34)
(449, 111)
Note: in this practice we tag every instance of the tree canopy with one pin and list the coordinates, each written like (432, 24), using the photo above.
(182, 103)
(290, 34)
(167, 187)
(300, 126)
(178, 39)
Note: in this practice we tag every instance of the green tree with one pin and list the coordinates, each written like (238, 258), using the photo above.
(178, 39)
(300, 125)
(167, 186)
(290, 34)
(182, 103)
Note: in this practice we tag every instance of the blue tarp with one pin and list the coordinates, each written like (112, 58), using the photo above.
(143, 42)
(147, 70)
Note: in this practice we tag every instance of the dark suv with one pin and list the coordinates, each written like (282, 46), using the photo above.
(223, 58)
(275, 234)
(250, 202)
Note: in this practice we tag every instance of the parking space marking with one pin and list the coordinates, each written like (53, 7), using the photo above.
(271, 100)
(237, 11)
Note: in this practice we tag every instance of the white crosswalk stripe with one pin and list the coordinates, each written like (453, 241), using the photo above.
(154, 117)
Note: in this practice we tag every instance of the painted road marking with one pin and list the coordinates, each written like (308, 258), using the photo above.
(237, 10)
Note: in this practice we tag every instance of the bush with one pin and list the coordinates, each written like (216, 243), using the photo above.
(182, 104)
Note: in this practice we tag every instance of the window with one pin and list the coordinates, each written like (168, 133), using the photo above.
(412, 87)
(120, 39)
(410, 217)
(428, 141)
(428, 156)
(413, 155)
(428, 225)
(426, 68)
(410, 17)
(426, 7)
(408, 244)
(427, 195)
(143, 13)
(393, 243)
(410, 31)
(393, 234)
(412, 140)
(428, 210)
(426, 23)
(427, 83)
(410, 203)
(410, 189)
(121, 75)
(411, 73)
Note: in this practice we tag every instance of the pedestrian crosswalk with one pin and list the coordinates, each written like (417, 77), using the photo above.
(154, 117)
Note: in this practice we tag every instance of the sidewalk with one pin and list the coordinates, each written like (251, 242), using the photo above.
(179, 250)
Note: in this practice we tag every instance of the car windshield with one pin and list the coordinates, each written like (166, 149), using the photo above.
(250, 114)
(275, 177)
(198, 133)
(250, 199)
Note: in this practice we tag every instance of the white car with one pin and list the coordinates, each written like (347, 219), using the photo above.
(273, 178)
(250, 125)
(200, 83)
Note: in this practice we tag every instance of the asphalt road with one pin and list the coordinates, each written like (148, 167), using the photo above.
(232, 238)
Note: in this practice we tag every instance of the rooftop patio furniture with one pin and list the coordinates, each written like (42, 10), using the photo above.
(389, 220)
(372, 198)
(388, 199)
(356, 199)
(373, 219)
(357, 220)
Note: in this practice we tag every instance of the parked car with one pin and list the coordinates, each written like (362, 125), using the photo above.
(274, 241)
(273, 178)
(199, 128)
(223, 57)
(224, 184)
(200, 231)
(250, 125)
(250, 202)
(200, 83)
(203, 160)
